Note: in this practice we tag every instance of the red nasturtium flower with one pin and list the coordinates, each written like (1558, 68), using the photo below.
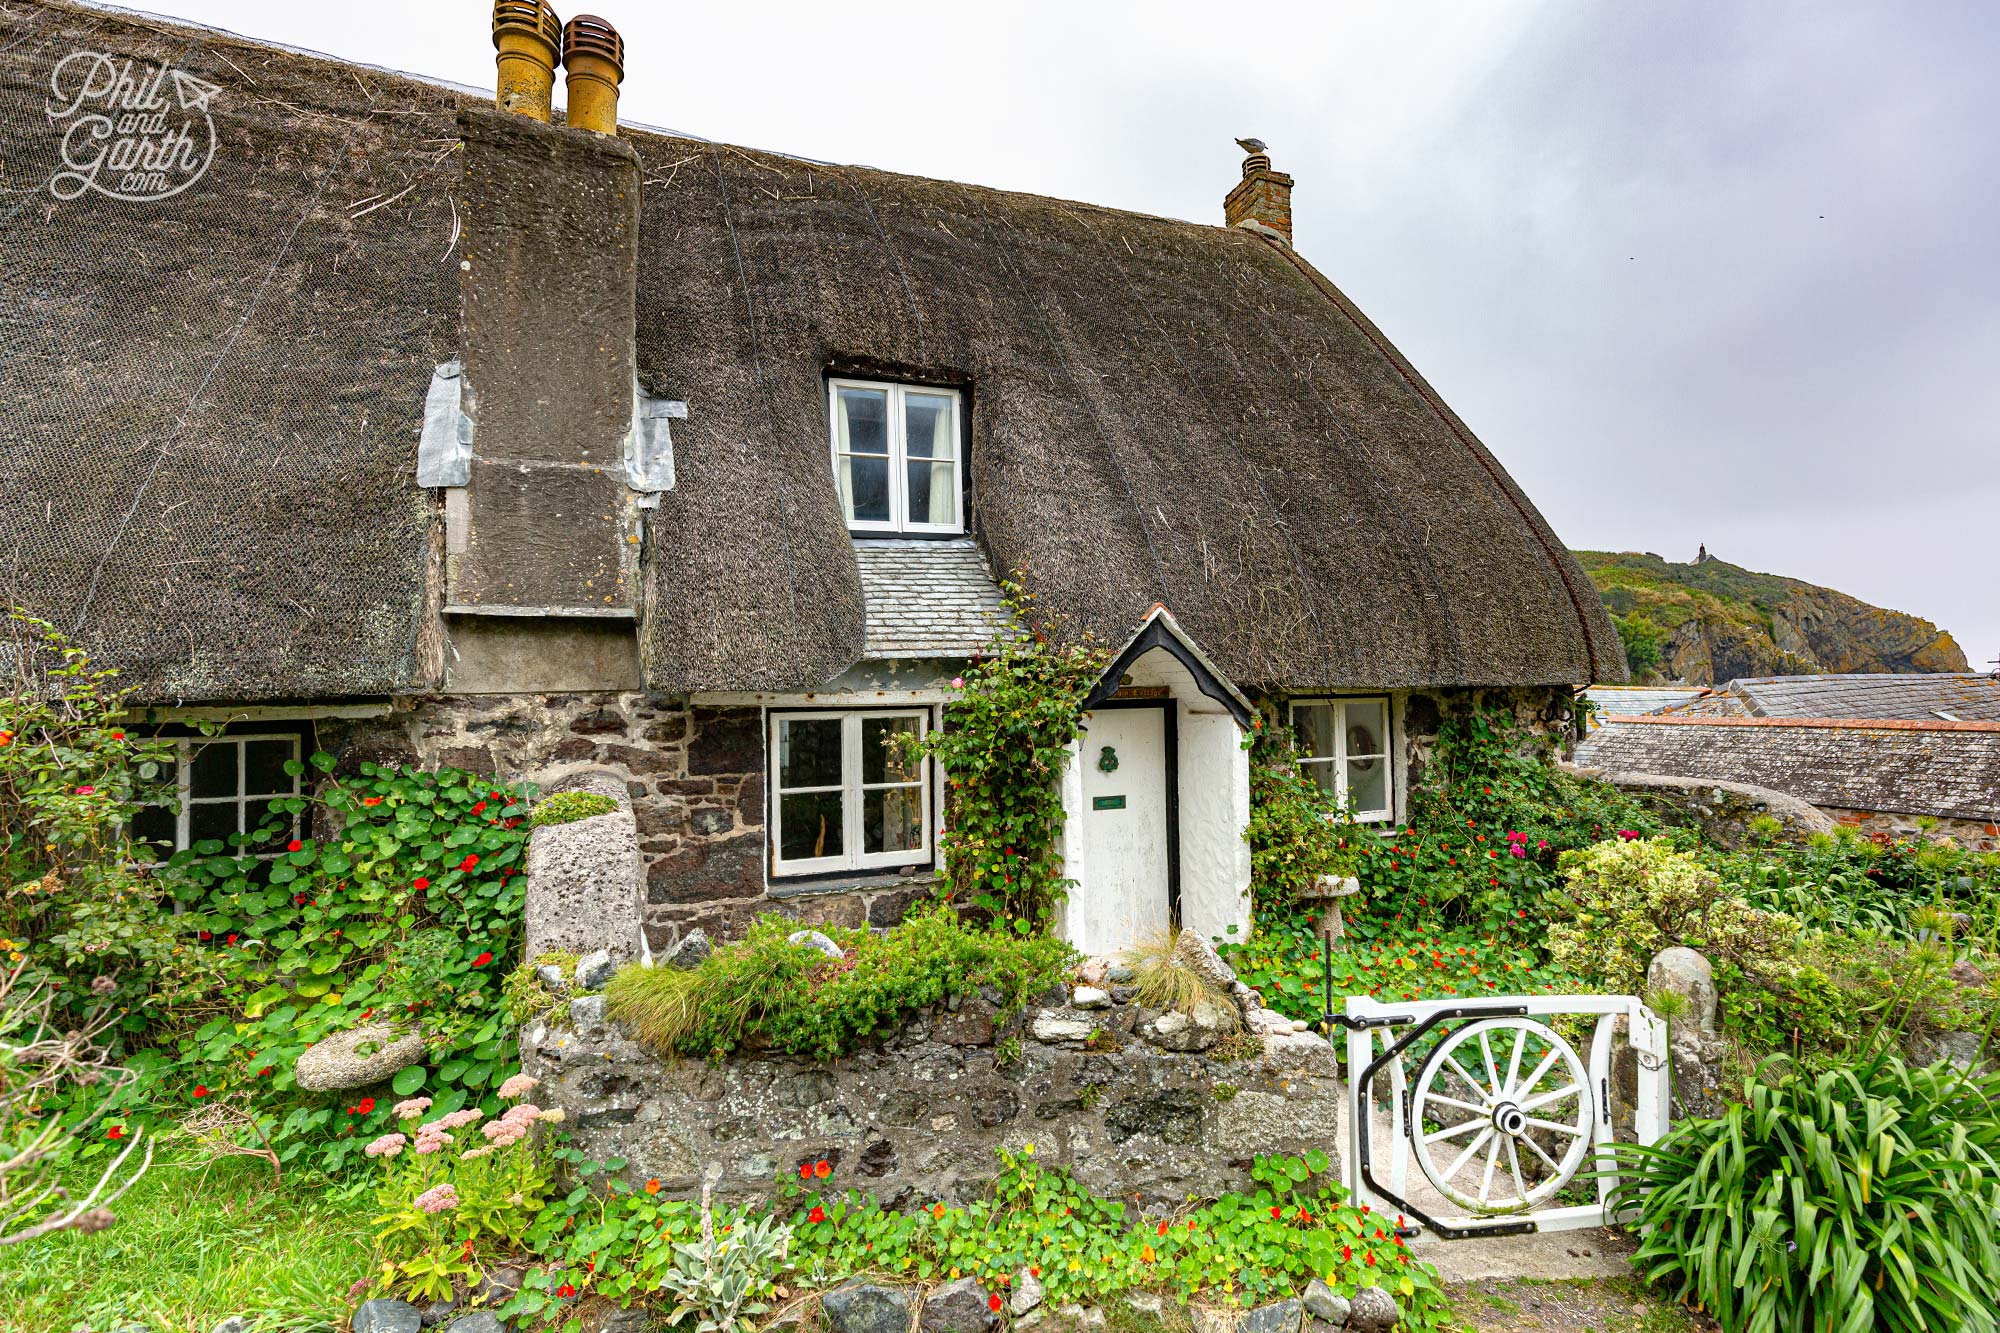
(200, 1091)
(366, 1106)
(371, 800)
(822, 1168)
(653, 1186)
(993, 1303)
(482, 960)
(565, 1291)
(818, 1214)
(420, 883)
(805, 1170)
(115, 1132)
(294, 846)
(468, 863)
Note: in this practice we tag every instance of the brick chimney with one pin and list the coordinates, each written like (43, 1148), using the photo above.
(1262, 200)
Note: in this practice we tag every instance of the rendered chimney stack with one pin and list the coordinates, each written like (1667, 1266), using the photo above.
(1262, 200)
(528, 36)
(593, 64)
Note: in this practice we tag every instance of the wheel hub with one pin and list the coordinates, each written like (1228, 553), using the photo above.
(1510, 1119)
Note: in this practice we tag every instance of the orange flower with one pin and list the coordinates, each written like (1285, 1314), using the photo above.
(1145, 1254)
(653, 1186)
(822, 1168)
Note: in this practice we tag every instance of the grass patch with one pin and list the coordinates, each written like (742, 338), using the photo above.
(566, 807)
(1164, 979)
(198, 1239)
(769, 992)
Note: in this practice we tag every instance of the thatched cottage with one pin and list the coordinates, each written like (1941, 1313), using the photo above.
(342, 406)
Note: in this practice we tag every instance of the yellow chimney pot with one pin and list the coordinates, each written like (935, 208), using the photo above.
(593, 65)
(528, 36)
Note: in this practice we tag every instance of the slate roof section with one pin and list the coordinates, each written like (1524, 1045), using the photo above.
(1917, 696)
(1639, 699)
(1901, 767)
(927, 598)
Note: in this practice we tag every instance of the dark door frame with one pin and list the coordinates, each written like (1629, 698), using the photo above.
(1169, 714)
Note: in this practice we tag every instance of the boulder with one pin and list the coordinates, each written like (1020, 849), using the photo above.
(586, 1012)
(1374, 1311)
(595, 970)
(688, 952)
(1684, 971)
(1175, 1031)
(1271, 1023)
(357, 1057)
(552, 977)
(1079, 1318)
(866, 1307)
(1201, 957)
(1120, 974)
(1056, 1028)
(1093, 971)
(1090, 997)
(497, 1286)
(586, 880)
(438, 1312)
(1324, 1303)
(1027, 1293)
(380, 1316)
(1277, 1317)
(236, 1323)
(479, 1321)
(812, 939)
(958, 1307)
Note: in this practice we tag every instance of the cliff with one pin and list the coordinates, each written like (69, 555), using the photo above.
(1711, 621)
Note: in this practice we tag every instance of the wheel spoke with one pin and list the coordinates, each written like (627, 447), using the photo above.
(1514, 1061)
(1454, 1131)
(1492, 1070)
(1536, 1149)
(1540, 1069)
(1486, 1180)
(1443, 1100)
(1451, 1173)
(1536, 1103)
(1570, 1130)
(1470, 1081)
(1514, 1165)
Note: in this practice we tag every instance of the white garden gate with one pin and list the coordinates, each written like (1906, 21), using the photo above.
(1499, 1115)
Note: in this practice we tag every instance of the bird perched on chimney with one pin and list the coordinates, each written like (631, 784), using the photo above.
(1251, 145)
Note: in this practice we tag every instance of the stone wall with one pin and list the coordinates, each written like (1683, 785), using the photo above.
(919, 1116)
(695, 778)
(1722, 811)
(1977, 835)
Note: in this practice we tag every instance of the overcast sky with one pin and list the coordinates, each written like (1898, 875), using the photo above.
(1696, 272)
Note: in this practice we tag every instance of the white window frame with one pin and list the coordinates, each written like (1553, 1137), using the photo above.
(853, 793)
(899, 470)
(1339, 759)
(185, 748)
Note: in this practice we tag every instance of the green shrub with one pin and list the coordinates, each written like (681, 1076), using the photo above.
(566, 807)
(797, 1000)
(1624, 901)
(1165, 980)
(1297, 831)
(1852, 1200)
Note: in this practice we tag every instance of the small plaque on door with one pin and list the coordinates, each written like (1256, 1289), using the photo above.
(1107, 802)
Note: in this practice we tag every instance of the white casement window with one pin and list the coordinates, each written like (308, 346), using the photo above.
(896, 456)
(1344, 747)
(224, 785)
(843, 794)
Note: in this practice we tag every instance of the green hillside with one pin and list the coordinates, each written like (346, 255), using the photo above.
(1711, 621)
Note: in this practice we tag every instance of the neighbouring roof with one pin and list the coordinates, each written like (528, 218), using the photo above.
(1901, 766)
(927, 598)
(213, 403)
(1914, 696)
(1640, 698)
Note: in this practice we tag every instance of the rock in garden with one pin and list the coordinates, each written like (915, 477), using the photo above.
(357, 1057)
(437, 1312)
(812, 939)
(1149, 1304)
(1374, 1311)
(1269, 1022)
(552, 976)
(387, 1317)
(1177, 1032)
(497, 1286)
(594, 970)
(586, 1012)
(1209, 1319)
(1090, 997)
(1078, 1318)
(958, 1307)
(690, 951)
(479, 1321)
(1277, 1317)
(1201, 957)
(236, 1323)
(1118, 974)
(1323, 1302)
(1092, 973)
(864, 1307)
(1685, 972)
(1027, 1293)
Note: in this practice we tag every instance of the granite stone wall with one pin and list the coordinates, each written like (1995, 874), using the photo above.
(695, 778)
(918, 1116)
(1977, 835)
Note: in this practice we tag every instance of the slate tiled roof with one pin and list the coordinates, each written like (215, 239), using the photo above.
(927, 598)
(1900, 766)
(1636, 699)
(1921, 696)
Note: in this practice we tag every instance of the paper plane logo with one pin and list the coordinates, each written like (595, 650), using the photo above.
(123, 135)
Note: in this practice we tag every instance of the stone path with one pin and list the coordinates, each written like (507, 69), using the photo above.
(1611, 1305)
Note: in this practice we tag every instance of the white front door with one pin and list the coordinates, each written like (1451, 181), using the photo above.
(1121, 897)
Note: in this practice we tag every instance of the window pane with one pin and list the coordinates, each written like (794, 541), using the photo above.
(154, 824)
(933, 493)
(264, 768)
(213, 819)
(863, 421)
(1314, 725)
(928, 419)
(1367, 728)
(214, 770)
(1368, 784)
(864, 489)
(892, 820)
(257, 814)
(808, 753)
(1322, 772)
(882, 754)
(811, 826)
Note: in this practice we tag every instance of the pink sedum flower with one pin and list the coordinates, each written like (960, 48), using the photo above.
(385, 1147)
(519, 1086)
(439, 1198)
(412, 1108)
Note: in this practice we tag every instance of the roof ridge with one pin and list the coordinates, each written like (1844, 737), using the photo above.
(1825, 723)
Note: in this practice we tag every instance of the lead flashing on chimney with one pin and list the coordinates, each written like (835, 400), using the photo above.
(649, 445)
(444, 449)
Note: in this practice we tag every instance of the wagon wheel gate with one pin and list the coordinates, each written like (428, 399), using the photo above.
(1495, 1108)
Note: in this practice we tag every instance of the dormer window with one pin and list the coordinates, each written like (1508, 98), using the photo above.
(896, 457)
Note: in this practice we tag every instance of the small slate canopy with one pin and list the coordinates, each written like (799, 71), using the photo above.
(1161, 631)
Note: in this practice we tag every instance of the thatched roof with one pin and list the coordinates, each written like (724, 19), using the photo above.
(212, 404)
(209, 403)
